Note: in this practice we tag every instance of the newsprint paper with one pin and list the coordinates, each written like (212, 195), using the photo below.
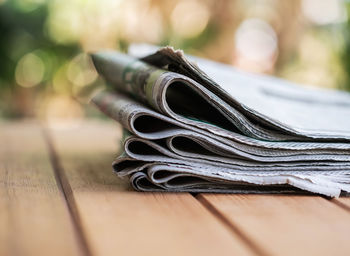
(194, 125)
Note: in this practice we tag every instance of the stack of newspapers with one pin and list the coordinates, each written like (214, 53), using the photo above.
(195, 125)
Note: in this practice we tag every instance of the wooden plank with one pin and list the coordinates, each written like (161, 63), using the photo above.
(116, 220)
(286, 225)
(34, 218)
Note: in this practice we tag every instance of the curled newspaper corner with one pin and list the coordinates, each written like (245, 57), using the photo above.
(207, 127)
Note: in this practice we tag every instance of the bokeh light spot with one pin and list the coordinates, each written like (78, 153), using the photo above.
(29, 70)
(80, 70)
(60, 112)
(142, 22)
(324, 12)
(64, 22)
(255, 45)
(190, 18)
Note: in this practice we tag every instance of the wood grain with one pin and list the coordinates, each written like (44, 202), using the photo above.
(116, 220)
(286, 225)
(34, 218)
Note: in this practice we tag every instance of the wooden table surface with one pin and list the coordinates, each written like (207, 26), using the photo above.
(58, 196)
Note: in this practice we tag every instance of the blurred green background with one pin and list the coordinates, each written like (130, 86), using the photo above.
(45, 71)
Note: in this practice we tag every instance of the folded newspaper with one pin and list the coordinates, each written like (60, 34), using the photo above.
(199, 126)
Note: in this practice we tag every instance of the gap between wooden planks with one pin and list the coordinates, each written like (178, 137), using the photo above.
(343, 202)
(110, 219)
(34, 218)
(115, 220)
(286, 225)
